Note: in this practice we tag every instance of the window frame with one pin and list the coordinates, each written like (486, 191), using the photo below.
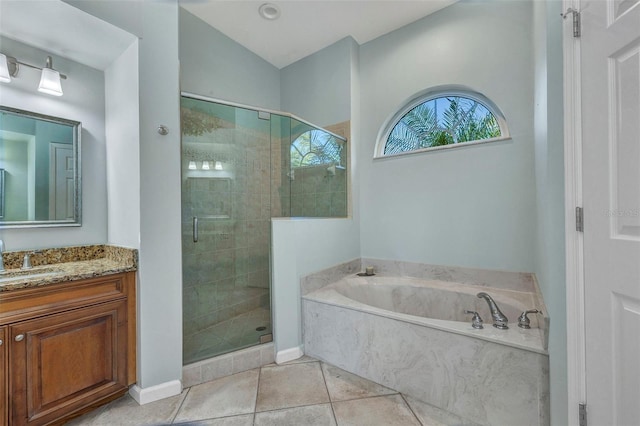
(319, 129)
(431, 94)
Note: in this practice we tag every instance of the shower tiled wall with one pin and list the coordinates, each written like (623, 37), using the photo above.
(319, 192)
(280, 165)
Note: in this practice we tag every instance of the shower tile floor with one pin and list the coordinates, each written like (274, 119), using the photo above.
(299, 393)
(230, 335)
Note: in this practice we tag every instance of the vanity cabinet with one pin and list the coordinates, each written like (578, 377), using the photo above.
(67, 347)
(3, 377)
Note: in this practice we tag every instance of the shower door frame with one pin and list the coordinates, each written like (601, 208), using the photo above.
(266, 338)
(258, 110)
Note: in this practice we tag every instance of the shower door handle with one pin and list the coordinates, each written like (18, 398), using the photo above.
(195, 229)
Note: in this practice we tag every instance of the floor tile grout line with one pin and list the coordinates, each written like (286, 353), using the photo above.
(333, 413)
(175, 416)
(274, 364)
(366, 397)
(410, 408)
(292, 408)
(324, 380)
(190, 422)
(255, 405)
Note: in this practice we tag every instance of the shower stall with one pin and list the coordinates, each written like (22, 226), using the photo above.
(241, 167)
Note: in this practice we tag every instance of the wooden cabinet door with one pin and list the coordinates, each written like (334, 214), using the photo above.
(4, 403)
(62, 363)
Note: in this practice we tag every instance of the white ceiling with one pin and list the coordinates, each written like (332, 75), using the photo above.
(63, 30)
(306, 26)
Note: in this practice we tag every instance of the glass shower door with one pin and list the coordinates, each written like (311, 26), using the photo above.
(226, 211)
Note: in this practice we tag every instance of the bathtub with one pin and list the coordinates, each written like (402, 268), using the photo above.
(411, 334)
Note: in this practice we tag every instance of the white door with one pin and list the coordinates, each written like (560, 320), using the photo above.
(61, 181)
(610, 93)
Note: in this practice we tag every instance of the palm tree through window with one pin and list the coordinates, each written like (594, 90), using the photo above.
(440, 118)
(316, 147)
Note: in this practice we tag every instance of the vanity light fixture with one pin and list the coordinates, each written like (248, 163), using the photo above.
(192, 165)
(49, 78)
(205, 165)
(5, 75)
(218, 165)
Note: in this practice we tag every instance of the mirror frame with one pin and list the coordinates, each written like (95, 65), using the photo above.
(77, 174)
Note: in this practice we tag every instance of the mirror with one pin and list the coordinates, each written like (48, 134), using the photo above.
(39, 170)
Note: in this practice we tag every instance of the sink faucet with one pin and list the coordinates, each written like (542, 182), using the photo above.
(1, 260)
(26, 261)
(499, 319)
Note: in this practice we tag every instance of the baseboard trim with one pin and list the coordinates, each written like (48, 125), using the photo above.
(155, 393)
(289, 354)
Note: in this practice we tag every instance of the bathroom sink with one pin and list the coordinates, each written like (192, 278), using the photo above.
(27, 275)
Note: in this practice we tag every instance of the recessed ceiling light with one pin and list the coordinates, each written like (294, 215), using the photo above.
(269, 11)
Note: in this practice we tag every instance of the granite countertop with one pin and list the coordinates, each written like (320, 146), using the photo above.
(52, 266)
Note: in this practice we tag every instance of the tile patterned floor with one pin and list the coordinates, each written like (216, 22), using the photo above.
(299, 393)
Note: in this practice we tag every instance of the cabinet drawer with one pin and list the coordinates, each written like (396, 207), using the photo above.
(64, 362)
(18, 305)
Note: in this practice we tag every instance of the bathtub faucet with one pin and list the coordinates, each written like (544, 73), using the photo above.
(499, 319)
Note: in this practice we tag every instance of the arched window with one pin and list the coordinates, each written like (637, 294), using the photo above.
(316, 147)
(442, 117)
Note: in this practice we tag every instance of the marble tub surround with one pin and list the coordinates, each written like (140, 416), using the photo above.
(518, 291)
(517, 281)
(436, 304)
(491, 383)
(405, 328)
(522, 285)
(327, 276)
(57, 265)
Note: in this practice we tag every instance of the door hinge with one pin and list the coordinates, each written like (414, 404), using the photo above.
(579, 219)
(582, 414)
(576, 20)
